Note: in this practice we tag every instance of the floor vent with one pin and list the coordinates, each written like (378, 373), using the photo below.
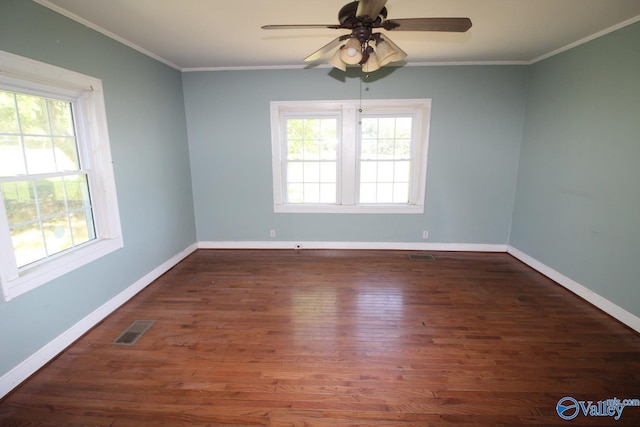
(421, 257)
(134, 332)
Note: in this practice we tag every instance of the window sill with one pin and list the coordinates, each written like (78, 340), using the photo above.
(349, 209)
(31, 278)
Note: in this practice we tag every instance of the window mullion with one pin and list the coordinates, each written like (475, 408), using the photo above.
(348, 168)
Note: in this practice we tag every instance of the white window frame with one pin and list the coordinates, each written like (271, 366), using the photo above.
(348, 158)
(19, 74)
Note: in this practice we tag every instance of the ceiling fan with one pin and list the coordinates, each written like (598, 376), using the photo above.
(362, 17)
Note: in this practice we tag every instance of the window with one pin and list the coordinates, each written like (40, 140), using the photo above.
(350, 156)
(59, 209)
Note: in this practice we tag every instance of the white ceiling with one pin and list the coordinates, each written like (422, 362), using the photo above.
(218, 34)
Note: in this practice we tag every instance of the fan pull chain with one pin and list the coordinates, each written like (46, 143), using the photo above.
(360, 100)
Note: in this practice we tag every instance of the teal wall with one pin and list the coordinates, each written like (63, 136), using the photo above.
(476, 127)
(147, 128)
(577, 206)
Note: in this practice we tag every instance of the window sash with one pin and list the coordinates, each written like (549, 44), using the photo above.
(393, 161)
(307, 164)
(44, 243)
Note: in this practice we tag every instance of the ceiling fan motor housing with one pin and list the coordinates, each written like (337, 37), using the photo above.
(348, 19)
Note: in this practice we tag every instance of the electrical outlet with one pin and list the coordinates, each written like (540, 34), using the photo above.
(425, 234)
(272, 234)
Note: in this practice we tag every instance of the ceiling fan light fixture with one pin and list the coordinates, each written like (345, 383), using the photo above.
(362, 18)
(337, 62)
(388, 51)
(372, 63)
(351, 53)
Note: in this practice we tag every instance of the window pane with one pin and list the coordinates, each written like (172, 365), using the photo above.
(402, 171)
(295, 149)
(311, 150)
(386, 127)
(312, 193)
(368, 193)
(385, 172)
(8, 115)
(11, 156)
(368, 171)
(295, 172)
(328, 129)
(82, 227)
(386, 148)
(19, 202)
(50, 196)
(61, 118)
(312, 172)
(328, 172)
(385, 193)
(57, 234)
(369, 128)
(404, 127)
(28, 243)
(39, 154)
(294, 128)
(402, 149)
(32, 111)
(77, 192)
(66, 154)
(295, 193)
(401, 193)
(329, 149)
(312, 129)
(369, 149)
(327, 193)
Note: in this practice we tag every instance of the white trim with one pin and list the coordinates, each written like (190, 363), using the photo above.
(41, 357)
(464, 63)
(107, 33)
(253, 68)
(400, 246)
(348, 113)
(327, 66)
(585, 293)
(346, 209)
(586, 39)
(55, 267)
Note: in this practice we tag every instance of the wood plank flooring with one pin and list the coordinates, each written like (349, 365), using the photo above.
(340, 338)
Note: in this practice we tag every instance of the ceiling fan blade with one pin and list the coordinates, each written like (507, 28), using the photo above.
(299, 26)
(370, 8)
(456, 25)
(318, 54)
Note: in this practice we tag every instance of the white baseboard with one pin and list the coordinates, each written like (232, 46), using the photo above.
(29, 366)
(400, 246)
(587, 294)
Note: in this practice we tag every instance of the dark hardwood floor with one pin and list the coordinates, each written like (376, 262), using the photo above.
(337, 338)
